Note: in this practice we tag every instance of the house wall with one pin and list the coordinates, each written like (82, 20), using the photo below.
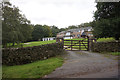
(60, 35)
(76, 33)
(89, 34)
(68, 37)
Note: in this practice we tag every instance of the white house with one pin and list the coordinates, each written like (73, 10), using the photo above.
(48, 38)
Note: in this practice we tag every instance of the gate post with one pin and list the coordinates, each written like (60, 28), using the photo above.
(71, 45)
(91, 43)
(88, 43)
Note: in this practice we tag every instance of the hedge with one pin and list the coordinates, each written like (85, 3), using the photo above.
(30, 54)
(106, 47)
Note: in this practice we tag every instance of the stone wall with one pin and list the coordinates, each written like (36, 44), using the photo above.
(30, 54)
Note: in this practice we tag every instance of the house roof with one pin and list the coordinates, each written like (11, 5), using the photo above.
(76, 30)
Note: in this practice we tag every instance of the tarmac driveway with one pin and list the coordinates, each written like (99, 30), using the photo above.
(83, 64)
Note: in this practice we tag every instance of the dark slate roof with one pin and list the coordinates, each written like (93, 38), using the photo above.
(76, 30)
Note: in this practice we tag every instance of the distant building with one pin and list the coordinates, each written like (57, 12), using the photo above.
(76, 33)
(48, 38)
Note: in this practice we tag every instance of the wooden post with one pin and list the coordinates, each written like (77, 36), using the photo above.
(63, 43)
(71, 44)
(79, 45)
(88, 43)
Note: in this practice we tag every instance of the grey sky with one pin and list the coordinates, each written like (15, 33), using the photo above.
(61, 13)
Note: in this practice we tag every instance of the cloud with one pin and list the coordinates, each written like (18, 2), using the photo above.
(61, 13)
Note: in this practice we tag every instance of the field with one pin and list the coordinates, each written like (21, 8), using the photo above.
(105, 39)
(33, 70)
(30, 44)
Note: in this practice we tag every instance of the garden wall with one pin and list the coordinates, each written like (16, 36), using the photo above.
(106, 46)
(30, 54)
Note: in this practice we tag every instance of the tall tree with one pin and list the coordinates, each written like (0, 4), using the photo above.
(107, 20)
(54, 30)
(38, 32)
(12, 25)
(47, 30)
(41, 31)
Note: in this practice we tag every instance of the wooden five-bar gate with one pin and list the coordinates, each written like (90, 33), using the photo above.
(77, 44)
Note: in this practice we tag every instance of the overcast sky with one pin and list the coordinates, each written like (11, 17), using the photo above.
(61, 13)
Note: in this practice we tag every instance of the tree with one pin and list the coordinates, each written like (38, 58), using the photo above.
(14, 25)
(107, 18)
(62, 29)
(41, 31)
(54, 30)
(38, 32)
(72, 27)
(47, 30)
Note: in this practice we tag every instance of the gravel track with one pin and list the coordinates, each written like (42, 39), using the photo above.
(83, 64)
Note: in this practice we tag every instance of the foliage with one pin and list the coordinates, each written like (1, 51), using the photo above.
(41, 31)
(62, 29)
(107, 10)
(16, 28)
(54, 30)
(107, 20)
(47, 30)
(30, 54)
(36, 69)
(87, 24)
(72, 27)
(38, 32)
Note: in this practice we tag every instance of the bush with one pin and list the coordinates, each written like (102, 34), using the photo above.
(30, 54)
(106, 46)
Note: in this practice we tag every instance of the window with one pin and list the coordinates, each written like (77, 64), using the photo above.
(68, 33)
(90, 34)
(78, 35)
(89, 29)
(73, 35)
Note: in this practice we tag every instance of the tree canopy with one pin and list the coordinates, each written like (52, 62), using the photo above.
(107, 20)
(15, 26)
(41, 31)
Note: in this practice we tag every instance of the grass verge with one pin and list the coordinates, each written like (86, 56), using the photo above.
(115, 53)
(33, 70)
(112, 53)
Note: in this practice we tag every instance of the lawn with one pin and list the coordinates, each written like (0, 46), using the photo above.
(34, 43)
(33, 70)
(105, 39)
